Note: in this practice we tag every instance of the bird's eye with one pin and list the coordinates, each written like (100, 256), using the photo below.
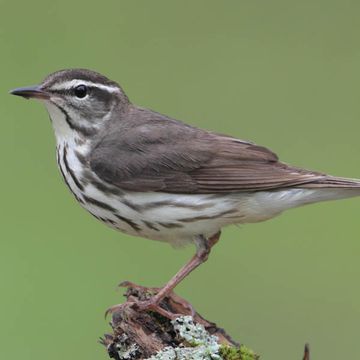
(80, 91)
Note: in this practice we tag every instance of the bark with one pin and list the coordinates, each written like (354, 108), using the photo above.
(187, 335)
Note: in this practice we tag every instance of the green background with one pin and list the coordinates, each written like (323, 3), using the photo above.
(284, 74)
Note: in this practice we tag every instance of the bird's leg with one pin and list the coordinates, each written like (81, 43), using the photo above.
(203, 248)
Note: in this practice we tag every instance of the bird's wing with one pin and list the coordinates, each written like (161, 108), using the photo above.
(168, 156)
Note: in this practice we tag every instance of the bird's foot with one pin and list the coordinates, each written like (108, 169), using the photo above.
(140, 306)
(150, 302)
(119, 308)
(151, 305)
(143, 299)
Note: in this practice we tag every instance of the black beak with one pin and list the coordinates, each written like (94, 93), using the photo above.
(31, 92)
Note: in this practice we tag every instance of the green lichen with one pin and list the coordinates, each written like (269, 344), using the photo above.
(198, 344)
(237, 353)
(179, 353)
(125, 350)
(194, 334)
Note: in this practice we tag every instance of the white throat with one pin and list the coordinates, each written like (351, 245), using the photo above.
(63, 131)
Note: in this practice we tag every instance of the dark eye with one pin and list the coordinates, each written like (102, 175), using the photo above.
(80, 91)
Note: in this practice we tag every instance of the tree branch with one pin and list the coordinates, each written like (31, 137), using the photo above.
(149, 335)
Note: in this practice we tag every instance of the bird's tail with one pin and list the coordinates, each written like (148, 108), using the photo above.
(328, 182)
(332, 188)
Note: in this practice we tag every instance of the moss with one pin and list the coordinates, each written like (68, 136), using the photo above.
(237, 353)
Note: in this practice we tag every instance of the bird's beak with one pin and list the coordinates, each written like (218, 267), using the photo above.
(31, 92)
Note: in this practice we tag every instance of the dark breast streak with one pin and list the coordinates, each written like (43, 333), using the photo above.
(61, 154)
(78, 190)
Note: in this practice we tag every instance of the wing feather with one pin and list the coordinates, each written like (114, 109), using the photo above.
(151, 152)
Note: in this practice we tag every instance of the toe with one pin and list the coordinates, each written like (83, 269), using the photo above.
(116, 308)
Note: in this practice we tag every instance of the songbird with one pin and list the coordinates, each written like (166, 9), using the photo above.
(148, 175)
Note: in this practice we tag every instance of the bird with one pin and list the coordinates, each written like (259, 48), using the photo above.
(148, 175)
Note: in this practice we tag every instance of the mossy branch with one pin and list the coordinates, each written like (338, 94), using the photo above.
(188, 336)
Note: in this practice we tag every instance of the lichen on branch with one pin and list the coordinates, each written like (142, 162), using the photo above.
(187, 336)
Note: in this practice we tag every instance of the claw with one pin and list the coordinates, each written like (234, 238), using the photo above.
(107, 312)
(125, 284)
(117, 308)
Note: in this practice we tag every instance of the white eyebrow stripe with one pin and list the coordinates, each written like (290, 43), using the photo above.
(67, 85)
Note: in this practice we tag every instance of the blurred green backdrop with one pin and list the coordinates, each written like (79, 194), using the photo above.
(284, 74)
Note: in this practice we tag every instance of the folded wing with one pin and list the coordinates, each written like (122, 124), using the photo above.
(161, 154)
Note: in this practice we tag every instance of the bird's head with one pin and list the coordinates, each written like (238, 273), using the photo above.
(77, 100)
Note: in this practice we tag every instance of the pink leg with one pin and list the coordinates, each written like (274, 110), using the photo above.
(202, 254)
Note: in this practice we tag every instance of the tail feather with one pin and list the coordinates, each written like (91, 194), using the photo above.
(333, 182)
(324, 189)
